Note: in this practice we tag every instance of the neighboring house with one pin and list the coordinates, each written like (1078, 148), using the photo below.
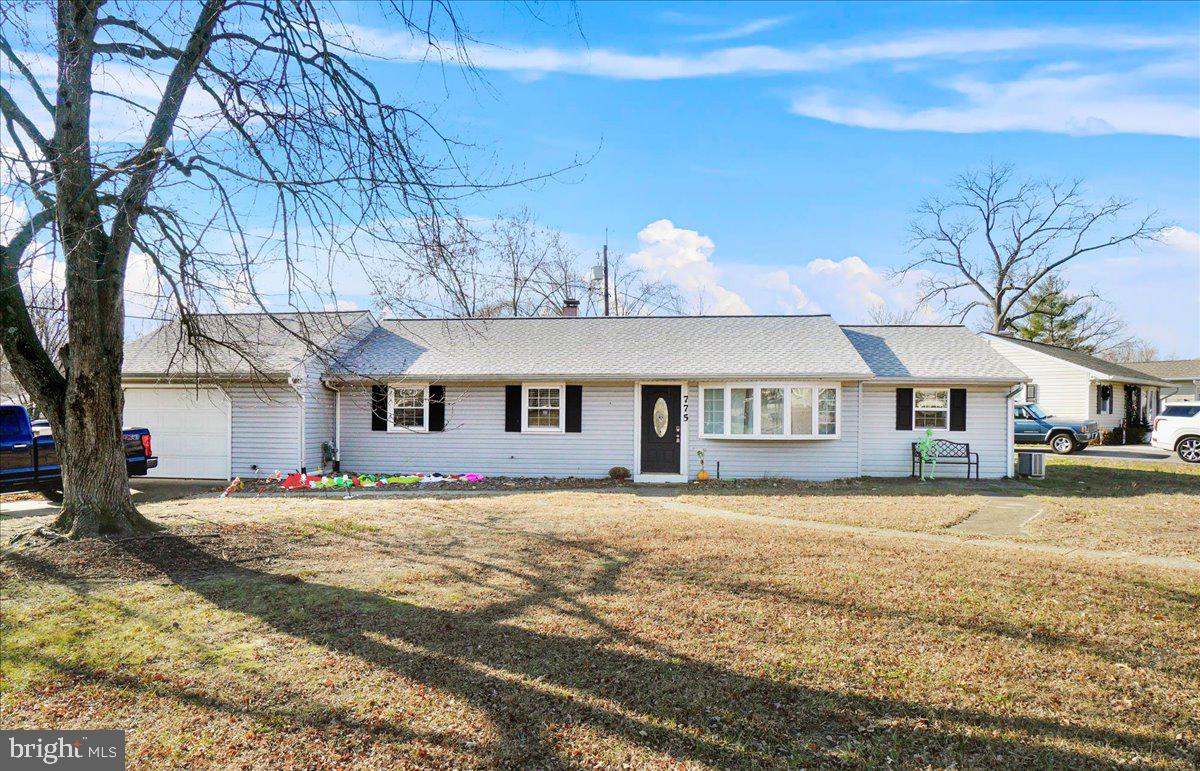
(1182, 374)
(785, 396)
(1073, 385)
(254, 404)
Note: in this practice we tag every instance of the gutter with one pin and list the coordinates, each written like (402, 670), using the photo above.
(508, 377)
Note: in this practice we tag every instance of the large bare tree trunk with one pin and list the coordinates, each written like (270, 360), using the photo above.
(96, 499)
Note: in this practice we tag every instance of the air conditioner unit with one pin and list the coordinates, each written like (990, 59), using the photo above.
(1031, 464)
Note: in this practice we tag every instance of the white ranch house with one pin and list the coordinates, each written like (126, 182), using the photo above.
(763, 396)
(1077, 386)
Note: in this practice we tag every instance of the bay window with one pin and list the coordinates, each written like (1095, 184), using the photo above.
(770, 401)
(741, 410)
(770, 410)
(714, 410)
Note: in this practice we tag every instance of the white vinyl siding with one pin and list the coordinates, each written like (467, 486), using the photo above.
(475, 440)
(887, 452)
(1106, 420)
(748, 457)
(1064, 390)
(266, 429)
(318, 421)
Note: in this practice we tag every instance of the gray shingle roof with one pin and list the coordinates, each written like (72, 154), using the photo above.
(274, 343)
(693, 347)
(1170, 369)
(938, 353)
(1103, 367)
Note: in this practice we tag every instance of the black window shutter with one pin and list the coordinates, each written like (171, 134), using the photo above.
(958, 409)
(437, 408)
(904, 403)
(574, 409)
(379, 421)
(512, 408)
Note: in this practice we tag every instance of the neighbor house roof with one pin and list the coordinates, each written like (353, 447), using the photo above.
(238, 344)
(1106, 369)
(606, 348)
(946, 353)
(1171, 369)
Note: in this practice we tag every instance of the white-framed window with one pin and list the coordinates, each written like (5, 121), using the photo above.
(543, 407)
(1104, 399)
(931, 408)
(1031, 393)
(770, 410)
(408, 407)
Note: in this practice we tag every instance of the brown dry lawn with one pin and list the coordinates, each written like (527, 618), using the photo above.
(1095, 503)
(589, 629)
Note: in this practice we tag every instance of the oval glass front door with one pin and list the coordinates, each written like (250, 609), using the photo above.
(661, 417)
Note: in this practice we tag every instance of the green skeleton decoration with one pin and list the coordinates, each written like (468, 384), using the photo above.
(928, 453)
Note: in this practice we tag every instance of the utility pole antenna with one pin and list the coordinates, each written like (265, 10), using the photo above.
(606, 271)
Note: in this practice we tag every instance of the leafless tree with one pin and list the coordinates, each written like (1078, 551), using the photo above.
(48, 313)
(213, 116)
(992, 239)
(886, 314)
(530, 256)
(632, 293)
(1131, 351)
(512, 266)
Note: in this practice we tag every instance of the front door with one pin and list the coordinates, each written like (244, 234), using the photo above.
(661, 429)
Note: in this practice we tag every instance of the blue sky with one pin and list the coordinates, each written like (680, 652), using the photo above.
(769, 156)
(772, 135)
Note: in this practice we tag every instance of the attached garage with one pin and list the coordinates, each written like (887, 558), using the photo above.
(189, 427)
(252, 404)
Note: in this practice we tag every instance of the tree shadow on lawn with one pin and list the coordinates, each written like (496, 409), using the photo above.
(531, 683)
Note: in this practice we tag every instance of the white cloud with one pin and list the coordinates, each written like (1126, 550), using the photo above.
(601, 62)
(1085, 104)
(1180, 239)
(746, 29)
(682, 257)
(848, 289)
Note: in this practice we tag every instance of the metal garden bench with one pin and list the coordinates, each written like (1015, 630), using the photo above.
(949, 453)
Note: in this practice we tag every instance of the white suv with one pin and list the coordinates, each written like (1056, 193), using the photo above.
(1177, 429)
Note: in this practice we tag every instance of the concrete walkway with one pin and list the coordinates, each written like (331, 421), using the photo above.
(1170, 563)
(1003, 516)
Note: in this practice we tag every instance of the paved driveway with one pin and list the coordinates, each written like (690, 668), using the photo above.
(1132, 452)
(144, 491)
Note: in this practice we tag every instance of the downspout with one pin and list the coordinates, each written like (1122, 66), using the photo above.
(860, 427)
(294, 382)
(337, 427)
(1010, 424)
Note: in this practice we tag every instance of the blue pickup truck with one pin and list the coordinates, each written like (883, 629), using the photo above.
(29, 459)
(1032, 426)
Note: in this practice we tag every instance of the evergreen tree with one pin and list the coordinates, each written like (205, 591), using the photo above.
(1052, 314)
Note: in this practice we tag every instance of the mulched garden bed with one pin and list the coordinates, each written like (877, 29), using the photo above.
(255, 488)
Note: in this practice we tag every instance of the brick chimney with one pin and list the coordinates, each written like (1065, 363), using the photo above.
(570, 308)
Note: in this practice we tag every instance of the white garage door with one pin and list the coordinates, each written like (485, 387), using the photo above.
(189, 428)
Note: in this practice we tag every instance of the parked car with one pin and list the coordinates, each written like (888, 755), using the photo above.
(1032, 426)
(29, 461)
(1177, 429)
